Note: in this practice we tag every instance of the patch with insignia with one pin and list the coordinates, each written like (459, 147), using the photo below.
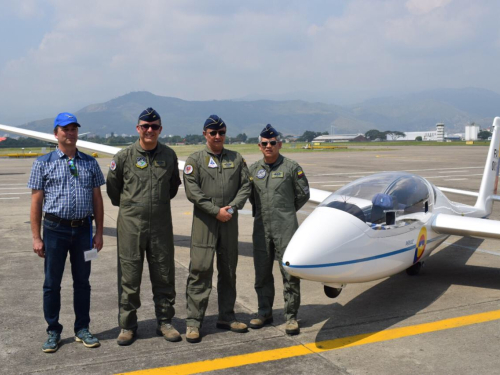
(188, 169)
(306, 189)
(277, 174)
(141, 162)
(261, 174)
(300, 174)
(227, 164)
(112, 166)
(212, 163)
(159, 163)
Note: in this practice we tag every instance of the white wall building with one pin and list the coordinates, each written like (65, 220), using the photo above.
(471, 132)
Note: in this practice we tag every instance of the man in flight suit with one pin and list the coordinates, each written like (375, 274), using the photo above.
(216, 182)
(142, 180)
(280, 189)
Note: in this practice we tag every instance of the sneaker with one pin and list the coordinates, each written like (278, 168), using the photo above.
(260, 321)
(126, 337)
(52, 343)
(292, 327)
(234, 326)
(87, 338)
(193, 334)
(168, 332)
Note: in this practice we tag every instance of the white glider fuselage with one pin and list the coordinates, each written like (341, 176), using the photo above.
(385, 223)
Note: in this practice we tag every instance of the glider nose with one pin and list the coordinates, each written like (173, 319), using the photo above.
(322, 247)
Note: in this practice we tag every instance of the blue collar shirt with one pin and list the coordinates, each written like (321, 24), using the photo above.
(66, 196)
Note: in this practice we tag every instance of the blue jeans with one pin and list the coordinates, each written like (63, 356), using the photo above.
(58, 240)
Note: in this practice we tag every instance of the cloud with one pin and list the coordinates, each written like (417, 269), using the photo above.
(95, 50)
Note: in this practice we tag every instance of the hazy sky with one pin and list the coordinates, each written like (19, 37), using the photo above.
(59, 55)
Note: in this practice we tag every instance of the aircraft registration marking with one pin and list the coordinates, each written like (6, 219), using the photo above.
(322, 346)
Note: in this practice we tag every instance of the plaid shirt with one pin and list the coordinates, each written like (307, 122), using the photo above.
(66, 196)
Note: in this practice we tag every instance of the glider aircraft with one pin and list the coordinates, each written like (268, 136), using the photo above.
(384, 223)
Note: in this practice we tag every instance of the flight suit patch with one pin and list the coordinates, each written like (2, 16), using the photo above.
(141, 162)
(212, 163)
(159, 163)
(300, 174)
(261, 174)
(188, 169)
(227, 164)
(277, 174)
(112, 166)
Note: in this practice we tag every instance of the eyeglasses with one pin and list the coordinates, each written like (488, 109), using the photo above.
(154, 127)
(72, 167)
(221, 133)
(264, 144)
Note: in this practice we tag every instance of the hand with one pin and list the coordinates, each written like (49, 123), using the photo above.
(97, 242)
(223, 215)
(38, 247)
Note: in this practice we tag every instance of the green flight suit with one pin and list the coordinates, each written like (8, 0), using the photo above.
(278, 193)
(212, 183)
(142, 185)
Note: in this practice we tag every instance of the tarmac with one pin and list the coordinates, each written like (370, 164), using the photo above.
(445, 320)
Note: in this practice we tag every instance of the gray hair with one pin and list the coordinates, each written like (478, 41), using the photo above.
(278, 138)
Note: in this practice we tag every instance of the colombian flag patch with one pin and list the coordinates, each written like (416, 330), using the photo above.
(300, 174)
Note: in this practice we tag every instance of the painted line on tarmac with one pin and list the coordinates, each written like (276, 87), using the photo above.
(321, 346)
(11, 198)
(28, 192)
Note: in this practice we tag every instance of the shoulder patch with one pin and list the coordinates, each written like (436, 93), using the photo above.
(112, 166)
(188, 169)
(300, 173)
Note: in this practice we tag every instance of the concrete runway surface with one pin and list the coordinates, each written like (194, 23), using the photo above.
(445, 320)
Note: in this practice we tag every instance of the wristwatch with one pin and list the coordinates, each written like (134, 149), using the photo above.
(231, 211)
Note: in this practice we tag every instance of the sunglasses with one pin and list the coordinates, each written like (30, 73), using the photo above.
(72, 167)
(272, 143)
(154, 127)
(221, 133)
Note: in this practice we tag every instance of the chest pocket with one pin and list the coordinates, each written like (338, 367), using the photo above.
(84, 176)
(162, 177)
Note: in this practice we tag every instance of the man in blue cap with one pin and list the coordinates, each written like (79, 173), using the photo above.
(142, 180)
(66, 186)
(216, 182)
(280, 189)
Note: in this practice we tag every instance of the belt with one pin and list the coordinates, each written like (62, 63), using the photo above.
(70, 223)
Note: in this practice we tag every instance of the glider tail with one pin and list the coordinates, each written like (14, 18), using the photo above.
(489, 183)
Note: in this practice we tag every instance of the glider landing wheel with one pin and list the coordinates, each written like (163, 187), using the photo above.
(415, 269)
(332, 292)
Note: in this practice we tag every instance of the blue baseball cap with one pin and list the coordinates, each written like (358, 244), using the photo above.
(65, 118)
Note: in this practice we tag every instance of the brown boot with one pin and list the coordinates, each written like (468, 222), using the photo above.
(260, 321)
(234, 326)
(126, 337)
(292, 327)
(168, 332)
(193, 334)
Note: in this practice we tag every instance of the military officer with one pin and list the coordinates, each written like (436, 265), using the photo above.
(142, 180)
(280, 189)
(217, 183)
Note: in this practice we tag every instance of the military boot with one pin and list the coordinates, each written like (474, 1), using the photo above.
(234, 326)
(168, 331)
(260, 321)
(193, 334)
(126, 337)
(292, 327)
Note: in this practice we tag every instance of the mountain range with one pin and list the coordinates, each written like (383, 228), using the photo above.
(412, 112)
